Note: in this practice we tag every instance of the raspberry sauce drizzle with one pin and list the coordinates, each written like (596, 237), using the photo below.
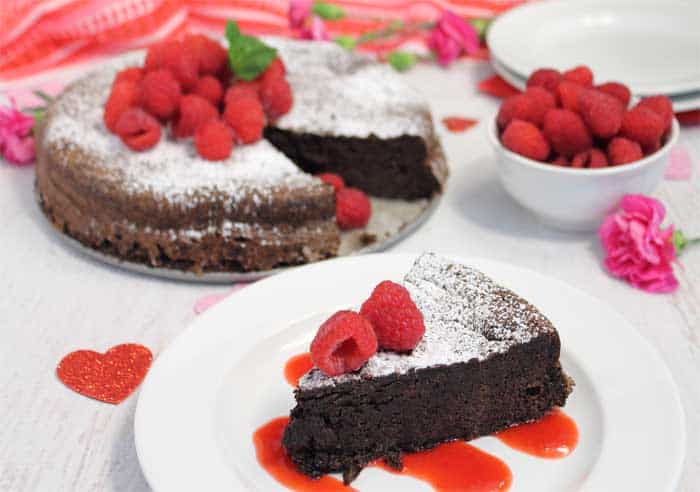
(296, 367)
(553, 436)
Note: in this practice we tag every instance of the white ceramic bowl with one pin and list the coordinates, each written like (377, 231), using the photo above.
(576, 199)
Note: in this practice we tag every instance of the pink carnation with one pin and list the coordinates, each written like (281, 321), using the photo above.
(316, 31)
(299, 11)
(16, 143)
(451, 37)
(637, 249)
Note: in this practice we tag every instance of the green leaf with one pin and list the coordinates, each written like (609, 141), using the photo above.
(481, 26)
(42, 95)
(328, 11)
(402, 60)
(247, 56)
(347, 42)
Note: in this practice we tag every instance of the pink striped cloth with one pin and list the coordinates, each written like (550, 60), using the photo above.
(38, 37)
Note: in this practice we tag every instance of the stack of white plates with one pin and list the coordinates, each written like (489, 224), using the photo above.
(651, 46)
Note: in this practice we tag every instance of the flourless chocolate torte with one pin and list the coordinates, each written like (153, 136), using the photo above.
(488, 360)
(260, 208)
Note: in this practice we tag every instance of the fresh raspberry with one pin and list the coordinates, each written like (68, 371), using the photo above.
(124, 95)
(211, 56)
(352, 208)
(528, 106)
(617, 90)
(592, 158)
(566, 132)
(343, 343)
(397, 321)
(154, 57)
(161, 93)
(332, 179)
(138, 129)
(276, 96)
(276, 70)
(644, 126)
(131, 74)
(601, 112)
(581, 75)
(183, 64)
(194, 112)
(569, 93)
(210, 89)
(242, 89)
(547, 78)
(247, 119)
(622, 150)
(662, 106)
(560, 160)
(214, 140)
(524, 138)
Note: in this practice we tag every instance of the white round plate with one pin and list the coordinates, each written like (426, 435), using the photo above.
(681, 102)
(652, 46)
(222, 378)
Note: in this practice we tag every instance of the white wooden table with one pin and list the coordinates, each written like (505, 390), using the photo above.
(53, 301)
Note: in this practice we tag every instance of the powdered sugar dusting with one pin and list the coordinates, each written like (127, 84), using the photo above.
(467, 316)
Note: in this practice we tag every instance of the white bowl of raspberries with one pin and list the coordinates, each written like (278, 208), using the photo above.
(568, 150)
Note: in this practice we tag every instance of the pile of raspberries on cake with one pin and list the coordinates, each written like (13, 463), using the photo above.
(564, 120)
(188, 85)
(388, 320)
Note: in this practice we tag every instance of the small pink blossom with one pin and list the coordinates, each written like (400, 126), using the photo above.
(316, 30)
(637, 249)
(16, 143)
(451, 37)
(299, 11)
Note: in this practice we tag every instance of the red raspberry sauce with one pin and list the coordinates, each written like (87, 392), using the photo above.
(553, 436)
(296, 367)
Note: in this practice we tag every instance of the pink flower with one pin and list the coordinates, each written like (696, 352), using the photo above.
(637, 249)
(451, 37)
(16, 143)
(316, 31)
(299, 11)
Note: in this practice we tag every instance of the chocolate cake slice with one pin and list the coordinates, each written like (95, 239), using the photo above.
(488, 360)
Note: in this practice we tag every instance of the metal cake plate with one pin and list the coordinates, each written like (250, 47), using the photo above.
(392, 220)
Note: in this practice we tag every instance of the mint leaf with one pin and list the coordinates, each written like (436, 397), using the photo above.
(247, 56)
(481, 25)
(402, 60)
(347, 42)
(328, 11)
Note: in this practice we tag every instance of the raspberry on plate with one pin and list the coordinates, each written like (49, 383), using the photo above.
(138, 129)
(211, 57)
(617, 90)
(240, 89)
(124, 95)
(548, 78)
(154, 57)
(622, 151)
(593, 158)
(131, 74)
(569, 93)
(276, 96)
(210, 88)
(352, 208)
(566, 132)
(214, 140)
(246, 117)
(581, 75)
(397, 322)
(662, 106)
(644, 126)
(524, 138)
(194, 112)
(332, 179)
(602, 113)
(183, 64)
(160, 93)
(276, 70)
(343, 343)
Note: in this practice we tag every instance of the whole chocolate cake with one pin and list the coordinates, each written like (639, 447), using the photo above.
(488, 360)
(260, 208)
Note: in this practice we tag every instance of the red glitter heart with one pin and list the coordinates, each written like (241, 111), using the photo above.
(108, 377)
(458, 124)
